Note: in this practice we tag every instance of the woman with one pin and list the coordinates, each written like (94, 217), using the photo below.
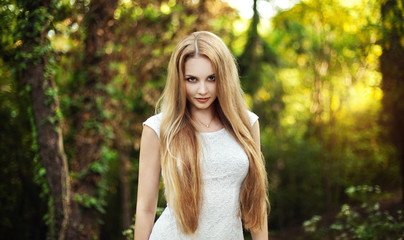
(207, 147)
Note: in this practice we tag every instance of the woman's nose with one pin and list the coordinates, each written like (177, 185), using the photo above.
(202, 88)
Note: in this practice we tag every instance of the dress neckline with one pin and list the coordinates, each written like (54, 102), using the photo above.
(214, 132)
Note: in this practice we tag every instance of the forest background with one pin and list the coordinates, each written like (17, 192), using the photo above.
(78, 78)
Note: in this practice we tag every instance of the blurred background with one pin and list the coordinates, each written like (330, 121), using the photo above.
(78, 78)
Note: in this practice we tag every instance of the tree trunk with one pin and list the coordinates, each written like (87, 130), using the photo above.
(319, 128)
(124, 166)
(391, 66)
(250, 58)
(50, 143)
(45, 106)
(91, 121)
(123, 146)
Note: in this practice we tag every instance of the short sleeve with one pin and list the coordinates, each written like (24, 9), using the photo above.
(154, 123)
(253, 117)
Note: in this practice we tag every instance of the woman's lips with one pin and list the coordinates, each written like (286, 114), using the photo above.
(202, 100)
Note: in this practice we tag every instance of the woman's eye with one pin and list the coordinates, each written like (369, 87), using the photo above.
(212, 78)
(191, 79)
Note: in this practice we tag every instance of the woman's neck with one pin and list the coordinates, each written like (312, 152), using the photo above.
(206, 119)
(204, 115)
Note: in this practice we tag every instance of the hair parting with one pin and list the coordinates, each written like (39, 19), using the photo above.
(196, 47)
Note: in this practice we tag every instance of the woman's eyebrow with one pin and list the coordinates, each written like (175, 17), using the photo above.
(191, 75)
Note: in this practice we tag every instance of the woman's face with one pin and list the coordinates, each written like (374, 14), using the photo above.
(200, 83)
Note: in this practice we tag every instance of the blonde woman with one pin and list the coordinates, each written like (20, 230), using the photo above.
(206, 145)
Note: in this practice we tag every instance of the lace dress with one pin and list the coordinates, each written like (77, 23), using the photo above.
(224, 166)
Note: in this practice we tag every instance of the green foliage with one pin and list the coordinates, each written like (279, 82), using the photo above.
(129, 234)
(362, 219)
(89, 201)
(101, 168)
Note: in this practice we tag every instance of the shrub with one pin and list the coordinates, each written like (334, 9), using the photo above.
(362, 219)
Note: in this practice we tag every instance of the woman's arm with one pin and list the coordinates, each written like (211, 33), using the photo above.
(148, 184)
(263, 233)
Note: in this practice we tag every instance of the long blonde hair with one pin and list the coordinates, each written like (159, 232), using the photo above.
(179, 142)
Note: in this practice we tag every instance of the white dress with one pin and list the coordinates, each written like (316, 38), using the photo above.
(224, 167)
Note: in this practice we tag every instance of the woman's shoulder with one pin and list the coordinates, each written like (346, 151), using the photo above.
(252, 117)
(154, 123)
